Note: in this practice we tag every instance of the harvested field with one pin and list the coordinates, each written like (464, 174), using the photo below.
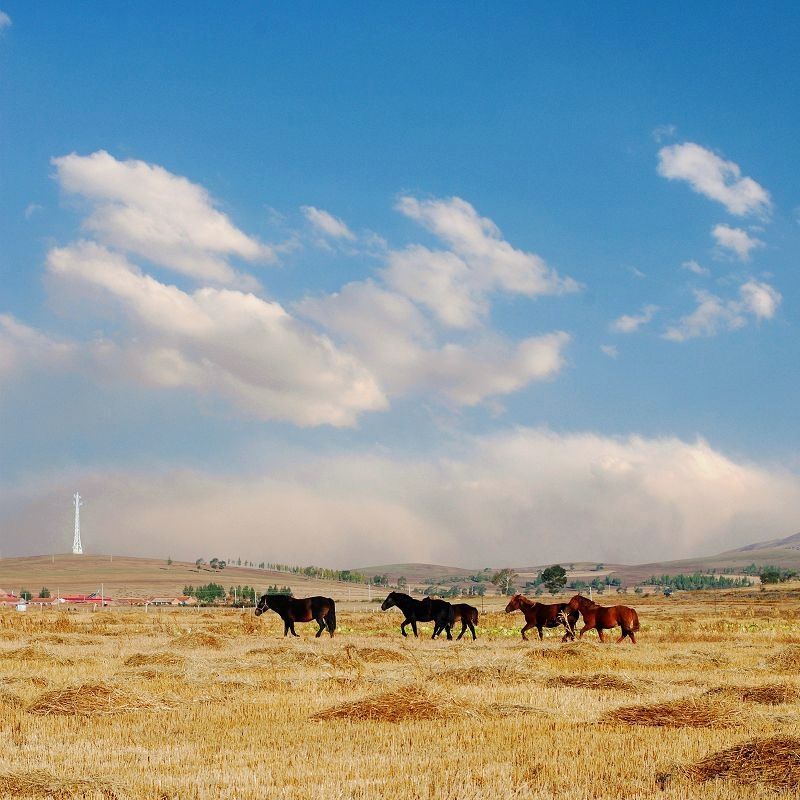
(787, 660)
(194, 720)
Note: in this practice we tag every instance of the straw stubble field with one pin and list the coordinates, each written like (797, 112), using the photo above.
(216, 704)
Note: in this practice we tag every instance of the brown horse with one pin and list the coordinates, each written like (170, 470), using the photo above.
(468, 616)
(541, 615)
(302, 609)
(602, 618)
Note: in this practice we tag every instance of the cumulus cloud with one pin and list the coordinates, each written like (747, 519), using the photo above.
(395, 340)
(735, 240)
(143, 209)
(5, 21)
(479, 242)
(24, 348)
(610, 350)
(714, 177)
(532, 495)
(220, 341)
(325, 223)
(714, 315)
(630, 323)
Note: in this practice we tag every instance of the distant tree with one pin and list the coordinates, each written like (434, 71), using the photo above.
(169, 560)
(261, 565)
(402, 583)
(504, 580)
(44, 592)
(239, 562)
(25, 595)
(213, 563)
(554, 578)
(199, 562)
(599, 568)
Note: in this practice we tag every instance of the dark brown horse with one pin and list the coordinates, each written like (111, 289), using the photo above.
(542, 615)
(603, 618)
(302, 609)
(439, 612)
(468, 615)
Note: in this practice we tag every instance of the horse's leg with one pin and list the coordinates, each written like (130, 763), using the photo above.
(472, 631)
(436, 629)
(463, 630)
(286, 627)
(414, 628)
(528, 626)
(403, 626)
(541, 633)
(321, 623)
(582, 631)
(632, 637)
(624, 634)
(600, 634)
(449, 633)
(291, 628)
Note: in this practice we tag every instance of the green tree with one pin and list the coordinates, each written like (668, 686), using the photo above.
(25, 595)
(402, 583)
(504, 580)
(554, 578)
(44, 592)
(169, 560)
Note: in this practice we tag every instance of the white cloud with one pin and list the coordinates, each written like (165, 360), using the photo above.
(697, 269)
(714, 315)
(630, 323)
(662, 132)
(143, 209)
(24, 348)
(326, 224)
(735, 240)
(5, 21)
(610, 350)
(220, 342)
(528, 495)
(440, 281)
(713, 177)
(393, 338)
(478, 241)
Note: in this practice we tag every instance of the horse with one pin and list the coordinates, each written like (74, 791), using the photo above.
(543, 615)
(302, 609)
(602, 618)
(439, 612)
(468, 615)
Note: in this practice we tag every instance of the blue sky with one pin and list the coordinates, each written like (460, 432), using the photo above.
(467, 284)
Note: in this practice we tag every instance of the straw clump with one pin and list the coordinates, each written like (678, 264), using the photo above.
(787, 660)
(771, 694)
(92, 698)
(404, 704)
(40, 783)
(483, 673)
(380, 655)
(704, 712)
(198, 640)
(774, 762)
(149, 659)
(29, 653)
(600, 681)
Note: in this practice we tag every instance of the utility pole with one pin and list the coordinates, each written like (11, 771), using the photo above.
(77, 548)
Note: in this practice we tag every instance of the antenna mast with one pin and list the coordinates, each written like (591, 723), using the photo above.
(76, 542)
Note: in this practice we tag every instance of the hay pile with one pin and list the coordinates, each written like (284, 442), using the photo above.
(10, 700)
(407, 703)
(771, 694)
(39, 783)
(92, 698)
(197, 640)
(381, 655)
(74, 639)
(569, 652)
(774, 762)
(787, 660)
(688, 712)
(29, 653)
(484, 673)
(149, 659)
(600, 681)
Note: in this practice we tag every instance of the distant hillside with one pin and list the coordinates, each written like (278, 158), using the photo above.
(126, 576)
(789, 543)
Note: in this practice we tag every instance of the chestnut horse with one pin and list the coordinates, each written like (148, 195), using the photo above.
(601, 618)
(303, 609)
(468, 616)
(542, 615)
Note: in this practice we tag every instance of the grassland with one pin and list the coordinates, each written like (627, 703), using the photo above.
(216, 704)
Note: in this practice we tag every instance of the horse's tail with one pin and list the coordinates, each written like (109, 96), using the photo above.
(474, 616)
(330, 617)
(634, 621)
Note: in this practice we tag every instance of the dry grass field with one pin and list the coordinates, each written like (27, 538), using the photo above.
(216, 704)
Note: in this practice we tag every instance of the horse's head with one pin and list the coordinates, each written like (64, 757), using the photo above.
(514, 603)
(263, 605)
(576, 602)
(388, 602)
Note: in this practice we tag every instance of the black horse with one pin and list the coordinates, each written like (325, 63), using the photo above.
(439, 612)
(468, 615)
(303, 609)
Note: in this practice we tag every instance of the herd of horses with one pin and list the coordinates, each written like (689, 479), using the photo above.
(444, 615)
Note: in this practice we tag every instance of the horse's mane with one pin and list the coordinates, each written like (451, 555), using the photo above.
(588, 601)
